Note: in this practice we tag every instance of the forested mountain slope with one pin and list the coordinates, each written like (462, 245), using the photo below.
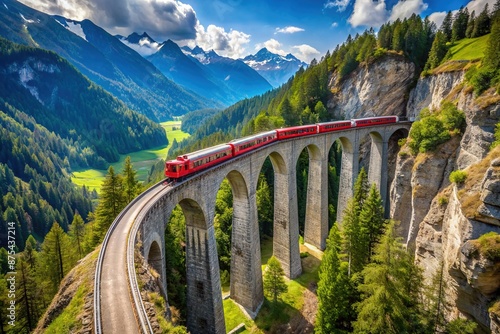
(102, 58)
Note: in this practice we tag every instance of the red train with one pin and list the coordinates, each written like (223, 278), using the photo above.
(193, 162)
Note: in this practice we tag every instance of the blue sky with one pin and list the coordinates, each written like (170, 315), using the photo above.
(236, 28)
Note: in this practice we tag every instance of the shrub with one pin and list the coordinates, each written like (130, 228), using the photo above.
(489, 244)
(481, 78)
(458, 176)
(443, 200)
(497, 137)
(402, 142)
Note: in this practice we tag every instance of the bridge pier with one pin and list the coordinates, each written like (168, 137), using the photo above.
(246, 272)
(348, 173)
(316, 222)
(286, 222)
(378, 170)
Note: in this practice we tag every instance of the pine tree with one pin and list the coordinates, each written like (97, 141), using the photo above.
(112, 201)
(446, 26)
(274, 283)
(336, 293)
(56, 255)
(492, 54)
(131, 186)
(459, 26)
(470, 25)
(385, 307)
(372, 219)
(482, 24)
(77, 233)
(438, 51)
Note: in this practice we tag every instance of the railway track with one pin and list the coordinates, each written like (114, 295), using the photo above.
(118, 307)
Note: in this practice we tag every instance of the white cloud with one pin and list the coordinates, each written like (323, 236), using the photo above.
(478, 5)
(335, 24)
(305, 52)
(372, 13)
(288, 30)
(144, 48)
(368, 13)
(162, 19)
(341, 5)
(437, 18)
(229, 44)
(273, 46)
(406, 8)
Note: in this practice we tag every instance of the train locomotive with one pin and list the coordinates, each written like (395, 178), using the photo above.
(188, 164)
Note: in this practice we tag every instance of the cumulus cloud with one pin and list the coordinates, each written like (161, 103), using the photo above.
(478, 5)
(437, 18)
(368, 13)
(305, 52)
(375, 13)
(229, 44)
(144, 48)
(335, 24)
(406, 8)
(272, 45)
(162, 19)
(341, 5)
(288, 30)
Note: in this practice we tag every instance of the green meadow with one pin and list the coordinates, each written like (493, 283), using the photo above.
(141, 160)
(469, 48)
(272, 316)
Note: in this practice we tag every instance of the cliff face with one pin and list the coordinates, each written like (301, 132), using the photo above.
(380, 88)
(441, 220)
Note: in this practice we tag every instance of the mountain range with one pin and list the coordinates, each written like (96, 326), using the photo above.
(102, 58)
(208, 74)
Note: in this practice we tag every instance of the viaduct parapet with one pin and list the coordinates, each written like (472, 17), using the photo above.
(197, 197)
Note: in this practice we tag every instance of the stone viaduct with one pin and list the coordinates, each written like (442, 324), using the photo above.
(197, 196)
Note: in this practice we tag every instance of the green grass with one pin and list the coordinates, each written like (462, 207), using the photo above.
(141, 160)
(67, 322)
(271, 315)
(469, 48)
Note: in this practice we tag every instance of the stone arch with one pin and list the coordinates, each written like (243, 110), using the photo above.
(193, 213)
(155, 255)
(279, 164)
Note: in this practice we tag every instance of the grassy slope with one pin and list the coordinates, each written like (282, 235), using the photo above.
(269, 317)
(469, 48)
(142, 160)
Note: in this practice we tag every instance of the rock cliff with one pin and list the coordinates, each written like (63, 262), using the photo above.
(443, 221)
(380, 88)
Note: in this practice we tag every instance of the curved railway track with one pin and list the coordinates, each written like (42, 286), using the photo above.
(118, 307)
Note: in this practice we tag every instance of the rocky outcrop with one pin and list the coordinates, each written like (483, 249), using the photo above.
(429, 176)
(489, 209)
(401, 193)
(431, 90)
(379, 88)
(481, 116)
(445, 236)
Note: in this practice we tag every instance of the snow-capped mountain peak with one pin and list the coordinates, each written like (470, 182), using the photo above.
(143, 44)
(277, 69)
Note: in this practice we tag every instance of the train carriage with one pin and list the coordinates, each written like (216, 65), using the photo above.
(246, 144)
(297, 131)
(196, 161)
(334, 126)
(371, 121)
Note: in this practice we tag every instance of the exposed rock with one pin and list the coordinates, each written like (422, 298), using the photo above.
(489, 210)
(479, 133)
(431, 90)
(430, 175)
(482, 274)
(400, 194)
(379, 88)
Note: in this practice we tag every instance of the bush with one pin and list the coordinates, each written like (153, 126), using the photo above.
(481, 78)
(458, 176)
(489, 244)
(443, 200)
